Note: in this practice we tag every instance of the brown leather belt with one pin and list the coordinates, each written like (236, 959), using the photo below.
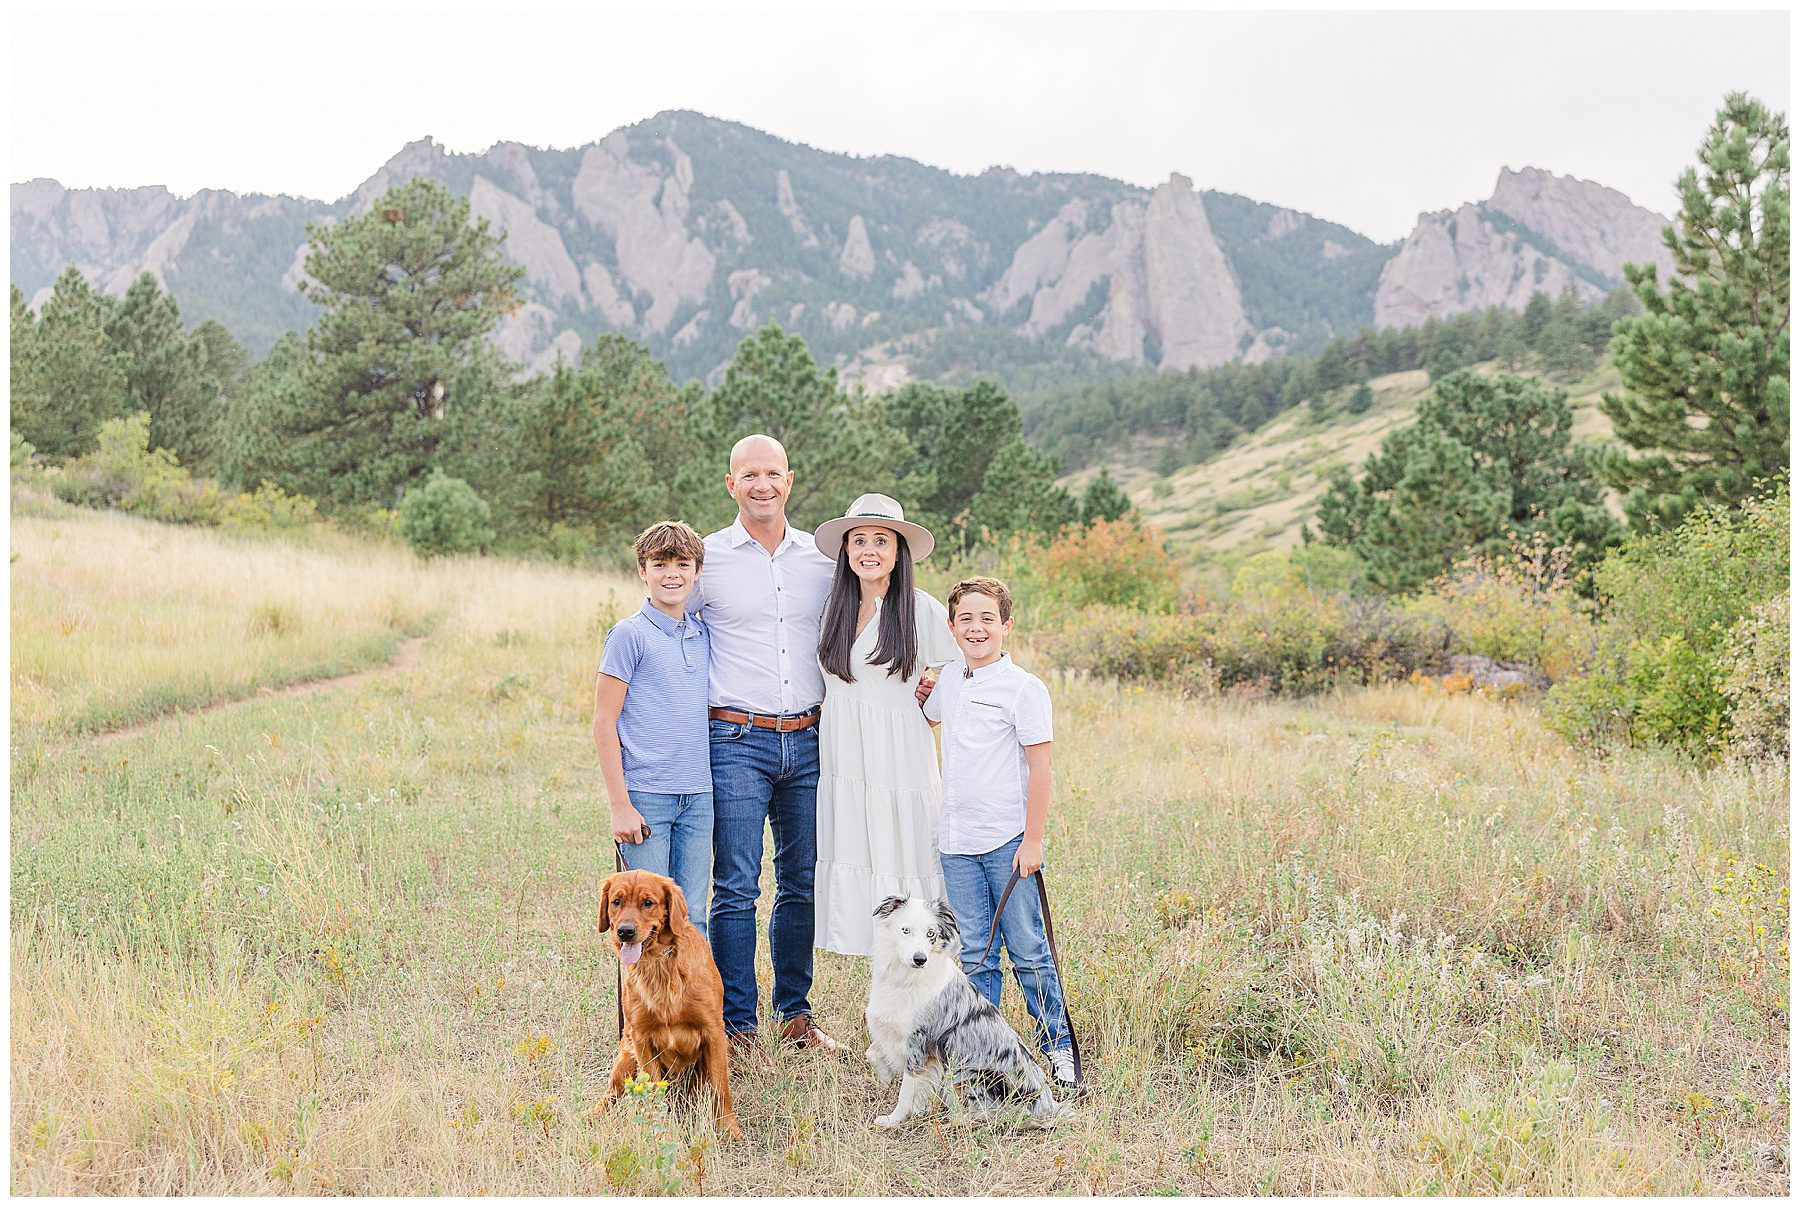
(764, 721)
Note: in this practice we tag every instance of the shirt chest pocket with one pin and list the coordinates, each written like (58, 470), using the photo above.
(986, 722)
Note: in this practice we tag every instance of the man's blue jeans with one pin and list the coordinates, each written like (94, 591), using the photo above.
(679, 846)
(974, 884)
(762, 776)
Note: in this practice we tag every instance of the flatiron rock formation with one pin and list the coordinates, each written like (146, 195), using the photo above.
(1538, 233)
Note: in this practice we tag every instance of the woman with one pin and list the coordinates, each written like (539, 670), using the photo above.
(878, 771)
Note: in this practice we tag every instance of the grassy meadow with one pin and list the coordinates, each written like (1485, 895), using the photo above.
(1388, 941)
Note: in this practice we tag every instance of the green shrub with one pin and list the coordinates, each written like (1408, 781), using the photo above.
(1675, 694)
(1755, 680)
(1297, 646)
(1136, 647)
(566, 543)
(444, 516)
(1294, 646)
(268, 506)
(1121, 562)
(124, 472)
(149, 480)
(121, 472)
(378, 522)
(1303, 570)
(1673, 664)
(1594, 710)
(1702, 577)
(80, 485)
(1520, 608)
(1311, 644)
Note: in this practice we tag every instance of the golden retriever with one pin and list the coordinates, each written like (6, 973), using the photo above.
(671, 993)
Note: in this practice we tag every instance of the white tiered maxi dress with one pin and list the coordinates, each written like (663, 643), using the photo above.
(878, 788)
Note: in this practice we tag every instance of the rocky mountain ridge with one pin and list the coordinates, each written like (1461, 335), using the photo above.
(686, 232)
(1538, 233)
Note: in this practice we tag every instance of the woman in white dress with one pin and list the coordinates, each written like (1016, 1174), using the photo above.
(878, 768)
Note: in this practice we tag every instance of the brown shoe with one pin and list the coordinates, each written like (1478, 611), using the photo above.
(747, 1046)
(799, 1032)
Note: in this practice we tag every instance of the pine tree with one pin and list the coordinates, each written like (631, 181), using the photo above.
(955, 435)
(1020, 494)
(581, 462)
(77, 380)
(1706, 364)
(1441, 364)
(399, 361)
(1538, 312)
(1105, 499)
(166, 373)
(250, 447)
(1422, 504)
(1559, 347)
(1303, 383)
(1487, 456)
(1252, 414)
(1361, 399)
(222, 363)
(27, 396)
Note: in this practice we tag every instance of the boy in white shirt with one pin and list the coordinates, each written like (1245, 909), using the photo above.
(996, 793)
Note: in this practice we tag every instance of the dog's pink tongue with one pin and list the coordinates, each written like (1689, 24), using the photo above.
(629, 952)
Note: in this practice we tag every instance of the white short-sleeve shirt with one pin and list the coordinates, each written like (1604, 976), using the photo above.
(988, 716)
(762, 611)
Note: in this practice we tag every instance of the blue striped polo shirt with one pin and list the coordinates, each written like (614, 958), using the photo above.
(662, 726)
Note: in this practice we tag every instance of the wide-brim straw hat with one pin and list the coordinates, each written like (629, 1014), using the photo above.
(874, 511)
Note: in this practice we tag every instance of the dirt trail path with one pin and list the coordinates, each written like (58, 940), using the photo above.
(406, 658)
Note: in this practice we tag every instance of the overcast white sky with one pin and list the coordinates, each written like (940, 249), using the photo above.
(1362, 118)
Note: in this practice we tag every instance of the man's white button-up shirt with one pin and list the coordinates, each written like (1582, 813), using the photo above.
(763, 612)
(989, 716)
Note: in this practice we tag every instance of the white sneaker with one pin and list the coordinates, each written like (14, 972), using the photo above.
(1062, 1067)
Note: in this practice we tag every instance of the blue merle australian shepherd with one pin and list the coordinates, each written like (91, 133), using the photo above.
(931, 1027)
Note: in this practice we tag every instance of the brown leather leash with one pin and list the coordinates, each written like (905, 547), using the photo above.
(1055, 958)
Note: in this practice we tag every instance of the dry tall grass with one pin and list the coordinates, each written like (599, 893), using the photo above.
(116, 619)
(1386, 942)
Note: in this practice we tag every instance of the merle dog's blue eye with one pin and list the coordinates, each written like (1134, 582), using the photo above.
(931, 934)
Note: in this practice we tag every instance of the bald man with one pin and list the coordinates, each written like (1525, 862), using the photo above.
(761, 598)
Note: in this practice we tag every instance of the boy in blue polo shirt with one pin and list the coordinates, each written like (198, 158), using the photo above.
(650, 721)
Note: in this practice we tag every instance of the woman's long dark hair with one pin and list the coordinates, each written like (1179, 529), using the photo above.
(896, 642)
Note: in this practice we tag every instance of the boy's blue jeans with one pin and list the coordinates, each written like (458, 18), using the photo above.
(679, 846)
(763, 776)
(974, 884)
